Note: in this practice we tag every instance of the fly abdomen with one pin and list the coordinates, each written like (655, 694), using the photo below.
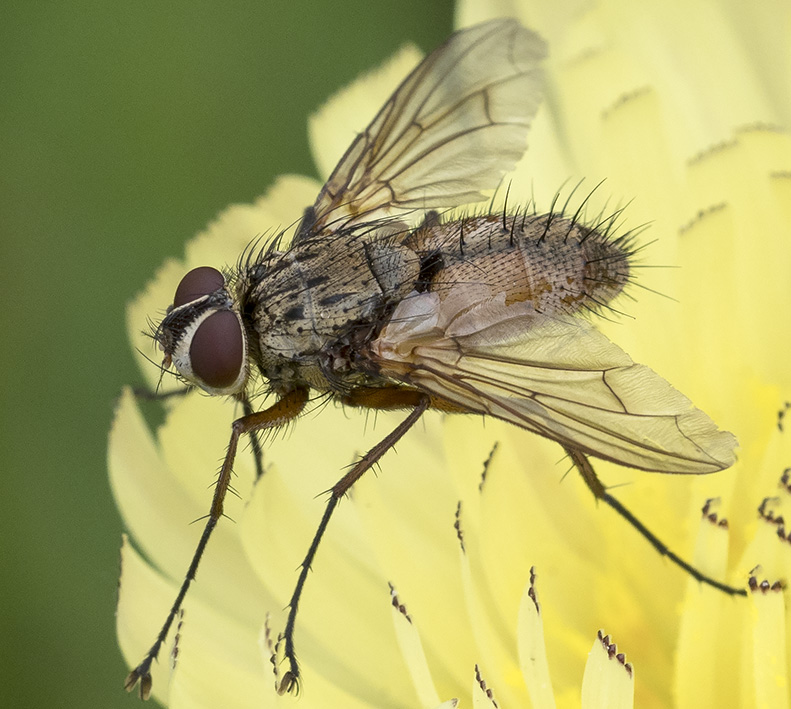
(556, 264)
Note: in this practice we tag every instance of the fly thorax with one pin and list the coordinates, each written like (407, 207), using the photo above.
(312, 306)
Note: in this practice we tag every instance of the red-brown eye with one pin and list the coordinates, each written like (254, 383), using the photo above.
(197, 283)
(217, 350)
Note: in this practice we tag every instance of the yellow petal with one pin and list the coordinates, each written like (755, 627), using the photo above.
(709, 625)
(609, 679)
(532, 652)
(412, 651)
(769, 637)
(482, 696)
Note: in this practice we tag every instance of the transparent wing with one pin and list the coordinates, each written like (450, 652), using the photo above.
(559, 378)
(453, 127)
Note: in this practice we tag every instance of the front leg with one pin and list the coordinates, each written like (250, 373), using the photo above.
(280, 413)
(145, 394)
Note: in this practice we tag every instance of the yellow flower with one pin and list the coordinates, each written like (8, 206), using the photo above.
(421, 591)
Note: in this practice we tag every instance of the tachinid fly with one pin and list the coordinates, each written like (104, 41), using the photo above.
(381, 300)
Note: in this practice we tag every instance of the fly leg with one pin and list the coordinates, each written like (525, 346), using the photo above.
(145, 394)
(255, 440)
(386, 398)
(585, 469)
(280, 413)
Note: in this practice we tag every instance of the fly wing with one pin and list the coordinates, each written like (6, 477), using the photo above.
(560, 378)
(453, 127)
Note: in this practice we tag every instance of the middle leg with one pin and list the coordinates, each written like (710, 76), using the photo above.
(399, 399)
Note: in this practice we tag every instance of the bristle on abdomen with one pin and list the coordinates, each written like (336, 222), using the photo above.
(558, 265)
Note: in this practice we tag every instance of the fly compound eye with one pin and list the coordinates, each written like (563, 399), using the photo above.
(217, 348)
(197, 283)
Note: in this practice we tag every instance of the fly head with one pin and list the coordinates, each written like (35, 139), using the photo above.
(202, 334)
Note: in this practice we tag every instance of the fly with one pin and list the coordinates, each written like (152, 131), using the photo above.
(379, 301)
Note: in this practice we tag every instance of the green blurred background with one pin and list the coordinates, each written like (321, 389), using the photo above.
(124, 128)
